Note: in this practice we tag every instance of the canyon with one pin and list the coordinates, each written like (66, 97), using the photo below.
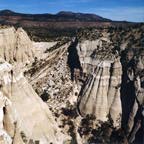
(83, 89)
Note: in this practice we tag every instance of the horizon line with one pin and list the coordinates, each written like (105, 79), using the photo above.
(75, 12)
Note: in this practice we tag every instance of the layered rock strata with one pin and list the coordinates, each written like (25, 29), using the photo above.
(101, 94)
(28, 113)
(15, 45)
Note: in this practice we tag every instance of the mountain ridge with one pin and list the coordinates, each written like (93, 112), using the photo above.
(60, 16)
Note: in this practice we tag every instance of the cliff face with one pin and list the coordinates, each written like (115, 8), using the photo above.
(114, 99)
(23, 112)
(132, 94)
(15, 45)
(100, 94)
(113, 89)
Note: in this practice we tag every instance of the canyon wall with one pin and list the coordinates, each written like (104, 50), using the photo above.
(23, 112)
(100, 94)
(15, 45)
(113, 89)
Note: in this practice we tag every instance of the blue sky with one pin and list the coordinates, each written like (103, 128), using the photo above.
(130, 10)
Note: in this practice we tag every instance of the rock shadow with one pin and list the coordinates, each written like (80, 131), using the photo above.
(73, 58)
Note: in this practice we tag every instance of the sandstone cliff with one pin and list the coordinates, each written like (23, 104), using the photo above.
(113, 90)
(100, 94)
(15, 45)
(26, 113)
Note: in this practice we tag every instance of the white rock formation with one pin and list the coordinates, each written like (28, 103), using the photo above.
(6, 139)
(114, 101)
(85, 51)
(29, 111)
(101, 94)
(41, 47)
(15, 45)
